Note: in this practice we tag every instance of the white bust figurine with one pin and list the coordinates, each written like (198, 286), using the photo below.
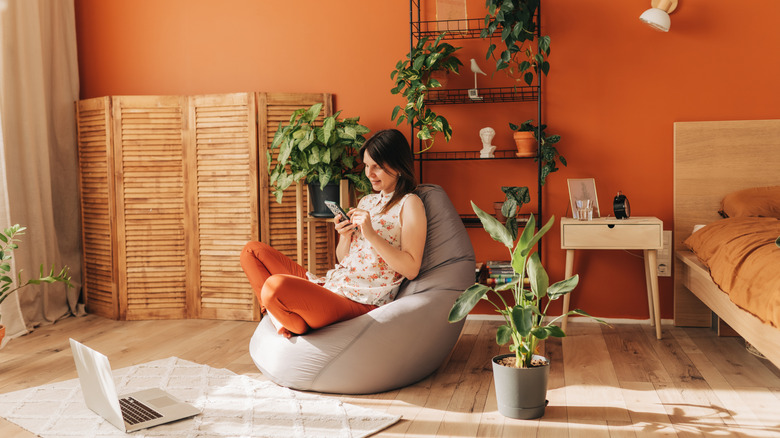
(487, 134)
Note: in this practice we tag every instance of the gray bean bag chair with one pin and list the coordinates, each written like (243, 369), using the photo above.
(394, 345)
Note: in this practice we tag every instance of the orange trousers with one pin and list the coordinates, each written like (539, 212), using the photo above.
(298, 304)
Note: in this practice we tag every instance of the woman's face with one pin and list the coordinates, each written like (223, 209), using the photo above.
(382, 180)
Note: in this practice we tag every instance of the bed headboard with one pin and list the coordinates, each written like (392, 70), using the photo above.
(712, 159)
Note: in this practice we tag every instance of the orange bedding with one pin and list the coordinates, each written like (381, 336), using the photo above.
(744, 262)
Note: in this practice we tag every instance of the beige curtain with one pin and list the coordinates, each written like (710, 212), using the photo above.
(38, 88)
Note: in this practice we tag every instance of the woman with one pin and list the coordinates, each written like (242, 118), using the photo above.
(380, 244)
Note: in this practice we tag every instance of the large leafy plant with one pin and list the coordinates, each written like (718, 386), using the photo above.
(516, 21)
(413, 79)
(322, 154)
(524, 315)
(8, 243)
(550, 155)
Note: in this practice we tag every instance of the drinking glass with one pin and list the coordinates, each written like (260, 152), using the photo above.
(584, 209)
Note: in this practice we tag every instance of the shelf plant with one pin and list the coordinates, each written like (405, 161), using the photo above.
(515, 19)
(549, 153)
(317, 153)
(9, 240)
(413, 78)
(516, 197)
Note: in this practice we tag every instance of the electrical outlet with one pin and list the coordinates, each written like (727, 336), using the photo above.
(665, 256)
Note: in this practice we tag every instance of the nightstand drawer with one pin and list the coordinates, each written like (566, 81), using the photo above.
(640, 233)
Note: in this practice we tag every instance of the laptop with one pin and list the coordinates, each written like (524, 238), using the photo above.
(130, 412)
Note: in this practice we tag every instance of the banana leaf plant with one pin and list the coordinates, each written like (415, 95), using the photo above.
(525, 314)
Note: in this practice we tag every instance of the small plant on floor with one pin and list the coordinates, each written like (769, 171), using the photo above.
(8, 243)
(524, 316)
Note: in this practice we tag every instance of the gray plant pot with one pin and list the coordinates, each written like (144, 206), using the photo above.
(318, 198)
(521, 392)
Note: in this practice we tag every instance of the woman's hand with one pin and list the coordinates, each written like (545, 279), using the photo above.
(343, 225)
(362, 221)
(345, 228)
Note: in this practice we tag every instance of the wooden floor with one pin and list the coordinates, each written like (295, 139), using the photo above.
(604, 381)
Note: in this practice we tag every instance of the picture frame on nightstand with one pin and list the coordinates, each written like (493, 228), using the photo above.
(583, 188)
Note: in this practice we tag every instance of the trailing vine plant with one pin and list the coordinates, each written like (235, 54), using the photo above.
(515, 20)
(413, 79)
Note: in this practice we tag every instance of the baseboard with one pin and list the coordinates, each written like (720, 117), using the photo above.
(611, 321)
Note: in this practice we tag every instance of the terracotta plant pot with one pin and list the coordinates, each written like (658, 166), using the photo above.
(497, 207)
(2, 333)
(526, 143)
(499, 215)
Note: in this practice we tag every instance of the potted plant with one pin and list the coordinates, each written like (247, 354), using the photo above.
(319, 154)
(515, 197)
(516, 21)
(413, 77)
(549, 153)
(525, 139)
(8, 243)
(521, 376)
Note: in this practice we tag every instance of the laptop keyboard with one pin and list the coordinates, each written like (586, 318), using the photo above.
(135, 412)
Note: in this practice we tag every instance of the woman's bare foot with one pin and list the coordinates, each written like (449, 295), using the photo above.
(284, 332)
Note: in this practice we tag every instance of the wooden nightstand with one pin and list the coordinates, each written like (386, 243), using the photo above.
(645, 233)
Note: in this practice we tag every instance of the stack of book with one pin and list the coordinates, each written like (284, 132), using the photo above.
(497, 272)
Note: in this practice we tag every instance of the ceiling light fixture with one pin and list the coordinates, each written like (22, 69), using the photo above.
(657, 17)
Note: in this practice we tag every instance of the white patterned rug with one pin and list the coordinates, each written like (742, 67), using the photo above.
(232, 405)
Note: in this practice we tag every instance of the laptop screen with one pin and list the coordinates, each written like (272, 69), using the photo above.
(97, 383)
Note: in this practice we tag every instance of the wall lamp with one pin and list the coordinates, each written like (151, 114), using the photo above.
(657, 17)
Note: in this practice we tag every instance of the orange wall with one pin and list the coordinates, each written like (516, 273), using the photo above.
(614, 91)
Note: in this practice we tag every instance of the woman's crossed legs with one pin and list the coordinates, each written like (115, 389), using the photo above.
(297, 303)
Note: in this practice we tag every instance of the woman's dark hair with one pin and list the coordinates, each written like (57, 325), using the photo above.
(390, 150)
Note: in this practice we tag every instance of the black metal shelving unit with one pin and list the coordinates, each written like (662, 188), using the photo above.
(446, 96)
(471, 28)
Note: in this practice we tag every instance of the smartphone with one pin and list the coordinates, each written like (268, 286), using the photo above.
(336, 210)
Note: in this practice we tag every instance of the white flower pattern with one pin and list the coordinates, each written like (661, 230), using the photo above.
(363, 275)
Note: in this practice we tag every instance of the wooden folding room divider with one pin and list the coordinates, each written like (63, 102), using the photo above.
(171, 188)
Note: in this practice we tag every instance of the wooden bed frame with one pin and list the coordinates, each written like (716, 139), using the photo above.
(712, 159)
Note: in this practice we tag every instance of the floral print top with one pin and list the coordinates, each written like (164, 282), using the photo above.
(363, 275)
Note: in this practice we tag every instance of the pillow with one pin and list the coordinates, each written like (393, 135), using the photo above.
(755, 201)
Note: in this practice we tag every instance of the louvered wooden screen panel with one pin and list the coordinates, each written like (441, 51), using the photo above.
(172, 187)
(278, 220)
(223, 187)
(149, 145)
(95, 187)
